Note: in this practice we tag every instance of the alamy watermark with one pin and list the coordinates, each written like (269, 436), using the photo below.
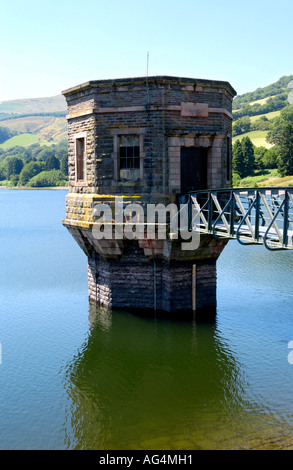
(135, 221)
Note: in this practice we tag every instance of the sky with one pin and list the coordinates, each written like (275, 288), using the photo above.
(47, 46)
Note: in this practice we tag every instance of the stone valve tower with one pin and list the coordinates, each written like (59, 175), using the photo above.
(135, 145)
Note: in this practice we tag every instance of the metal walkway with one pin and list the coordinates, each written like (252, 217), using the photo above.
(253, 215)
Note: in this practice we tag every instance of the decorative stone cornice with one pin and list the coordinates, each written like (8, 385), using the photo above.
(200, 110)
(197, 84)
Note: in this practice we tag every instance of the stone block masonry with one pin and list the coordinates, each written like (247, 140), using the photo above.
(147, 142)
(137, 283)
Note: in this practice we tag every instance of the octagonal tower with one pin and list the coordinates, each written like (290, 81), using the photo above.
(145, 142)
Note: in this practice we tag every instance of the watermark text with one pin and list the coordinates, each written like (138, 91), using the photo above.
(133, 221)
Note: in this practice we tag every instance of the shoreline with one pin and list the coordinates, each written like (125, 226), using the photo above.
(35, 189)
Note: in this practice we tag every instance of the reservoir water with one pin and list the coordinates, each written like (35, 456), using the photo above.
(73, 376)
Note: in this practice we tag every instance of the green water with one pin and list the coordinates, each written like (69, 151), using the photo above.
(73, 376)
(141, 384)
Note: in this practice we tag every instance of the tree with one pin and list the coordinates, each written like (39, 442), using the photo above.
(48, 178)
(11, 165)
(270, 158)
(29, 170)
(248, 156)
(259, 153)
(285, 147)
(237, 158)
(64, 165)
(52, 163)
(61, 152)
(281, 134)
(275, 134)
(2, 172)
(243, 157)
(287, 113)
(44, 153)
(14, 180)
(35, 149)
(241, 125)
(4, 134)
(27, 154)
(261, 124)
(14, 166)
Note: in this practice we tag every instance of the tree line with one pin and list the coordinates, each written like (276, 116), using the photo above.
(275, 103)
(274, 89)
(9, 116)
(5, 134)
(244, 124)
(35, 166)
(247, 158)
(281, 136)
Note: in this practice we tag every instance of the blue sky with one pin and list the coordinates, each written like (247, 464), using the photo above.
(49, 46)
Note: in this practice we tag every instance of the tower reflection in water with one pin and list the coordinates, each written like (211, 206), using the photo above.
(141, 383)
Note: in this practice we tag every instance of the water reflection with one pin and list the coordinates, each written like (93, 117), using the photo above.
(134, 382)
(141, 384)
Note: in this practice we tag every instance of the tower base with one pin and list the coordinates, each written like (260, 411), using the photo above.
(147, 276)
(143, 285)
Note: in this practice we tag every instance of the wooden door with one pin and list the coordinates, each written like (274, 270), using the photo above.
(193, 162)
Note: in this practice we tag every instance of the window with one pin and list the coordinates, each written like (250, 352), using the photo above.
(129, 158)
(128, 154)
(80, 145)
(80, 158)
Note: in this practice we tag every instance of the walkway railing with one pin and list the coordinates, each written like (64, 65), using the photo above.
(258, 215)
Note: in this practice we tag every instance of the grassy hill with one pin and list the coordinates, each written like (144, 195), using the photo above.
(262, 95)
(22, 140)
(42, 129)
(269, 116)
(258, 138)
(34, 105)
(34, 120)
(255, 114)
(264, 103)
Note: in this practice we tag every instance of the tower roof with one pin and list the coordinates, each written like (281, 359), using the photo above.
(160, 79)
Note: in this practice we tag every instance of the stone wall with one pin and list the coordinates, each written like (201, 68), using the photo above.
(168, 109)
(135, 283)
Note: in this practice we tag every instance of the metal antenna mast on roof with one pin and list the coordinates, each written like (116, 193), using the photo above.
(150, 166)
(148, 160)
(147, 82)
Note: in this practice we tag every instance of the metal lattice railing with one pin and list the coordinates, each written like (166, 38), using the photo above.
(258, 215)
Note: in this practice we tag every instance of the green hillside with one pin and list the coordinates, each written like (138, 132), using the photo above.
(22, 140)
(258, 138)
(255, 112)
(276, 89)
(33, 120)
(34, 105)
(270, 115)
(43, 129)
